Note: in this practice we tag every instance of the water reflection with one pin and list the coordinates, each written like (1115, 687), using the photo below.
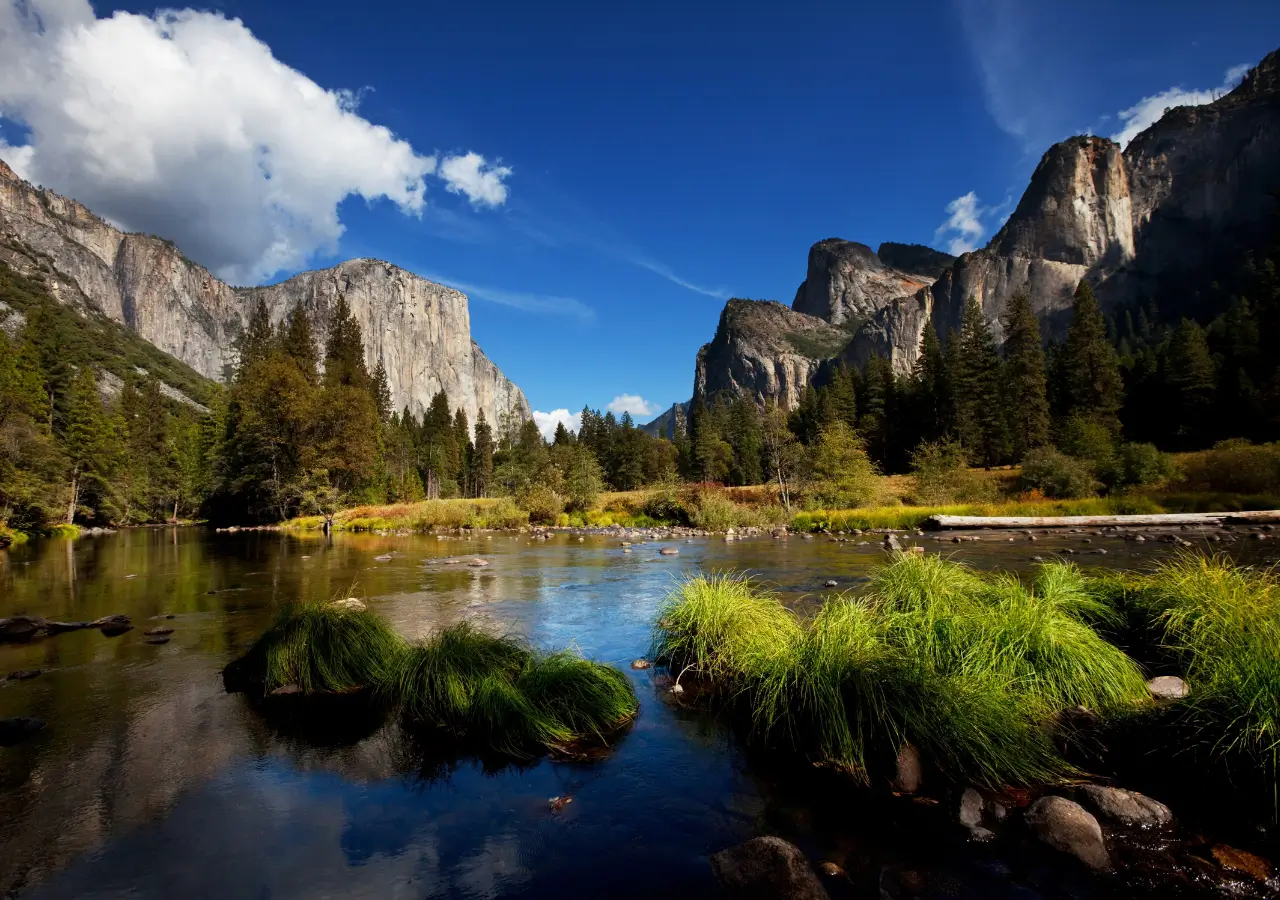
(152, 782)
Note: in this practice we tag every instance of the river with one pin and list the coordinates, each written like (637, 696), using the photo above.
(151, 782)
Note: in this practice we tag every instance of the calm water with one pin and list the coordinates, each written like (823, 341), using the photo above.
(151, 782)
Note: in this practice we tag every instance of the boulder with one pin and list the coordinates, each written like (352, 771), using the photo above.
(669, 551)
(971, 804)
(112, 625)
(831, 582)
(640, 664)
(158, 631)
(1167, 687)
(767, 868)
(1125, 807)
(1067, 826)
(891, 542)
(13, 731)
(24, 674)
(478, 563)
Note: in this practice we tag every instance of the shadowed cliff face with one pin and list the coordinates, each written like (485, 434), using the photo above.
(421, 331)
(847, 282)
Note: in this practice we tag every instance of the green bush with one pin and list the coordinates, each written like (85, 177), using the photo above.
(713, 511)
(1235, 467)
(543, 504)
(844, 476)
(664, 504)
(942, 475)
(1056, 475)
(1143, 464)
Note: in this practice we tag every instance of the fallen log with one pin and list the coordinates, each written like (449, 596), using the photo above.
(1156, 520)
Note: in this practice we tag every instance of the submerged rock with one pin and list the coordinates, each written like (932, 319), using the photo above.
(1167, 687)
(669, 551)
(1126, 807)
(24, 674)
(1243, 862)
(158, 631)
(831, 582)
(19, 629)
(478, 563)
(112, 626)
(767, 867)
(640, 664)
(1067, 826)
(16, 730)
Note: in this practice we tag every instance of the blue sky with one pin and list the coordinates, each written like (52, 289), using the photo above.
(641, 162)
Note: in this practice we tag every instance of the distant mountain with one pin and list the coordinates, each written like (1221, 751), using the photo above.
(668, 424)
(1186, 199)
(420, 331)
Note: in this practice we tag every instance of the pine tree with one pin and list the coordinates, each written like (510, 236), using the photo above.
(436, 441)
(257, 339)
(461, 448)
(1025, 384)
(482, 457)
(344, 348)
(298, 341)
(875, 405)
(1192, 382)
(745, 439)
(382, 392)
(976, 383)
(88, 442)
(563, 436)
(1091, 383)
(931, 389)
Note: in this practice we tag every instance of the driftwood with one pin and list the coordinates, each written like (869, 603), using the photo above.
(1215, 518)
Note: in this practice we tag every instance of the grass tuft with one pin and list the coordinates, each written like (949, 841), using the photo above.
(972, 669)
(326, 648)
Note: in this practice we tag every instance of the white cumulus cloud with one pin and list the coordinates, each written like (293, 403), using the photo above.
(1147, 111)
(470, 174)
(963, 228)
(547, 421)
(631, 403)
(185, 125)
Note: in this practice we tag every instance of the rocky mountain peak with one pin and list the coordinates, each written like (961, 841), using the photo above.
(1076, 209)
(915, 258)
(846, 282)
(7, 173)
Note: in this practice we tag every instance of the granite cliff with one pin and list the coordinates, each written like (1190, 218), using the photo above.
(420, 331)
(1194, 191)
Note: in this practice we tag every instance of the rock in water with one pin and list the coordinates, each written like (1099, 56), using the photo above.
(767, 867)
(1126, 807)
(386, 557)
(669, 551)
(1068, 827)
(158, 631)
(478, 563)
(640, 664)
(1246, 863)
(1167, 687)
(352, 603)
(111, 626)
(14, 731)
(891, 542)
(831, 582)
(19, 629)
(24, 674)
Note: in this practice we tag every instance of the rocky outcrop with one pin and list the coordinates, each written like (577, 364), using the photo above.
(925, 262)
(420, 331)
(1197, 187)
(671, 423)
(765, 351)
(847, 282)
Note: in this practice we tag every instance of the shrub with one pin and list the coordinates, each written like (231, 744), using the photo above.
(942, 475)
(845, 477)
(1235, 466)
(664, 504)
(542, 503)
(1141, 464)
(1056, 475)
(712, 511)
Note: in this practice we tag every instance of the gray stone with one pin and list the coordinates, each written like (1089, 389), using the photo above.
(1125, 807)
(767, 868)
(1167, 687)
(669, 551)
(1068, 826)
(891, 542)
(971, 804)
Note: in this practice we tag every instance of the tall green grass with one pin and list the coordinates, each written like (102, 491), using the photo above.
(972, 669)
(472, 685)
(1223, 622)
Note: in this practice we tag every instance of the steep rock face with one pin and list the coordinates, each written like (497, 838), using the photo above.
(1204, 182)
(421, 331)
(847, 282)
(765, 351)
(674, 421)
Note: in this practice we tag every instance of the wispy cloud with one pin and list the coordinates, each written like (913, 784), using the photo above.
(549, 304)
(658, 268)
(1147, 111)
(547, 421)
(963, 228)
(632, 403)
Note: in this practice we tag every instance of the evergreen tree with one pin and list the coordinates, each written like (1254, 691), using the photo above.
(298, 341)
(1090, 371)
(745, 439)
(90, 446)
(382, 392)
(976, 384)
(563, 436)
(257, 339)
(876, 407)
(344, 348)
(482, 457)
(1192, 382)
(931, 389)
(1024, 380)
